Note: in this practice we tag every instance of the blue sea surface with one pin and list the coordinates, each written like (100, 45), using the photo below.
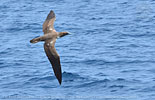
(109, 56)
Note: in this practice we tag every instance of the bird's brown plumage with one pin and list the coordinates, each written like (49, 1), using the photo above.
(49, 22)
(50, 36)
(54, 60)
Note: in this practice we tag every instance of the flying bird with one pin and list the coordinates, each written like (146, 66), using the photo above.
(50, 36)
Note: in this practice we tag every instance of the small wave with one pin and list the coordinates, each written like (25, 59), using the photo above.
(94, 62)
(94, 18)
(105, 62)
(43, 82)
(137, 35)
(116, 86)
(119, 83)
(126, 71)
(6, 50)
(94, 83)
(67, 76)
(47, 86)
(148, 89)
(101, 74)
(152, 70)
(11, 85)
(120, 79)
(42, 78)
(3, 65)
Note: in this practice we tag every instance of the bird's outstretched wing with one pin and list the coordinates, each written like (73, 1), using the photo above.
(49, 22)
(54, 60)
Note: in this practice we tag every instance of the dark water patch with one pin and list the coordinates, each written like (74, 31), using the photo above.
(47, 86)
(152, 70)
(4, 8)
(74, 49)
(127, 71)
(94, 18)
(2, 64)
(133, 45)
(117, 86)
(124, 3)
(120, 79)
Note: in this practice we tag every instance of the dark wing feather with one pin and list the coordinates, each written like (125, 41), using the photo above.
(49, 22)
(54, 60)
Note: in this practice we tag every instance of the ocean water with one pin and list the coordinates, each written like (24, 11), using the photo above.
(109, 56)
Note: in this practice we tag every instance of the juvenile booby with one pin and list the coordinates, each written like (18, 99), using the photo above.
(50, 36)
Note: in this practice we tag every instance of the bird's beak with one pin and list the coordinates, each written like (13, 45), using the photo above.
(69, 33)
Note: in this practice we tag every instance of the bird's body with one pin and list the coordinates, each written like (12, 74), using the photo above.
(50, 36)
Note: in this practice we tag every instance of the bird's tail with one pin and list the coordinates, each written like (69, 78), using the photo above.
(35, 40)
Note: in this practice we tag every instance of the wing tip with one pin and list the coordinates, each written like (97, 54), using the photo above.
(60, 82)
(51, 11)
(59, 79)
(51, 15)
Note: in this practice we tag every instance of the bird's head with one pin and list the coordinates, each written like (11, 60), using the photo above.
(61, 34)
